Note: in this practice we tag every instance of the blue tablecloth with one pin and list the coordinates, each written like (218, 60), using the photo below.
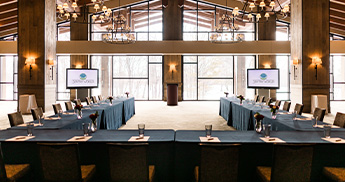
(241, 117)
(110, 116)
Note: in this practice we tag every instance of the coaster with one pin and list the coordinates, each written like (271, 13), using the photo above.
(20, 138)
(272, 140)
(321, 126)
(138, 139)
(79, 139)
(212, 139)
(334, 140)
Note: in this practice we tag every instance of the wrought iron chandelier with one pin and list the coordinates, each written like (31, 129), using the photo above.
(72, 12)
(119, 32)
(225, 31)
(268, 9)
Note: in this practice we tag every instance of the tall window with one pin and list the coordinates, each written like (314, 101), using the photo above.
(63, 62)
(337, 77)
(241, 64)
(139, 75)
(64, 31)
(282, 31)
(200, 18)
(145, 18)
(207, 77)
(8, 78)
(282, 63)
(104, 65)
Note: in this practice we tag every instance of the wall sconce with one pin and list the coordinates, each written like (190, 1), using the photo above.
(172, 69)
(30, 62)
(267, 66)
(294, 63)
(316, 61)
(51, 63)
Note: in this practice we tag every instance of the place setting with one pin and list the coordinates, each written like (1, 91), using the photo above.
(141, 137)
(208, 137)
(30, 128)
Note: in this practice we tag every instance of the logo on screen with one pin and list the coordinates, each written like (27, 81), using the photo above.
(83, 76)
(263, 76)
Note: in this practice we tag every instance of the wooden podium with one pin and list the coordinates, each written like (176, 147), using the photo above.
(172, 94)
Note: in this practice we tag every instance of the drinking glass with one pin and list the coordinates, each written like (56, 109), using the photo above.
(40, 119)
(141, 128)
(208, 129)
(267, 129)
(314, 121)
(30, 127)
(86, 127)
(60, 114)
(294, 115)
(327, 130)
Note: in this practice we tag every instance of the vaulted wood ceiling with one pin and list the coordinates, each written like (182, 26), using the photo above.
(9, 15)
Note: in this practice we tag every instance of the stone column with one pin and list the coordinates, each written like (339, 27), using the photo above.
(309, 39)
(37, 39)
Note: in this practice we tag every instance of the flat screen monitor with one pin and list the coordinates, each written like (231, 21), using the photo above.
(81, 78)
(263, 78)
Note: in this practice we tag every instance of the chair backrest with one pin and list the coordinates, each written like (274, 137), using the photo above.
(88, 100)
(94, 99)
(15, 119)
(340, 120)
(3, 176)
(292, 162)
(299, 108)
(128, 161)
(77, 101)
(262, 99)
(219, 162)
(319, 113)
(268, 101)
(68, 105)
(60, 161)
(100, 97)
(57, 107)
(256, 98)
(278, 102)
(286, 106)
(36, 113)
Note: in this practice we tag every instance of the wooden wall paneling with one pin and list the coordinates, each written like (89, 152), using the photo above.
(172, 20)
(36, 32)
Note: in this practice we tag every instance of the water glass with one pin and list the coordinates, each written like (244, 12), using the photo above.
(208, 129)
(30, 128)
(294, 116)
(314, 121)
(267, 129)
(86, 127)
(40, 119)
(141, 128)
(327, 130)
(60, 114)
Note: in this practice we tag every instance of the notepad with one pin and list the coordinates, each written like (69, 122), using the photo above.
(212, 139)
(79, 139)
(303, 119)
(20, 138)
(68, 113)
(139, 139)
(272, 140)
(321, 126)
(334, 140)
(25, 124)
(52, 118)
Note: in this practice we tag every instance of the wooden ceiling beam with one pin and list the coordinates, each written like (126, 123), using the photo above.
(7, 33)
(5, 2)
(337, 7)
(8, 21)
(337, 14)
(8, 27)
(337, 21)
(8, 8)
(8, 15)
(337, 26)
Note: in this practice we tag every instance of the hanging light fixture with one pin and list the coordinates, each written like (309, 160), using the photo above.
(64, 12)
(273, 7)
(119, 32)
(225, 31)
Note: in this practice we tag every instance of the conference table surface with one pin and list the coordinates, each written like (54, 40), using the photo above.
(241, 117)
(256, 152)
(110, 116)
(94, 151)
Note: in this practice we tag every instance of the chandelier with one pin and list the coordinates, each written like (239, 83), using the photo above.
(119, 32)
(273, 7)
(225, 31)
(70, 12)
